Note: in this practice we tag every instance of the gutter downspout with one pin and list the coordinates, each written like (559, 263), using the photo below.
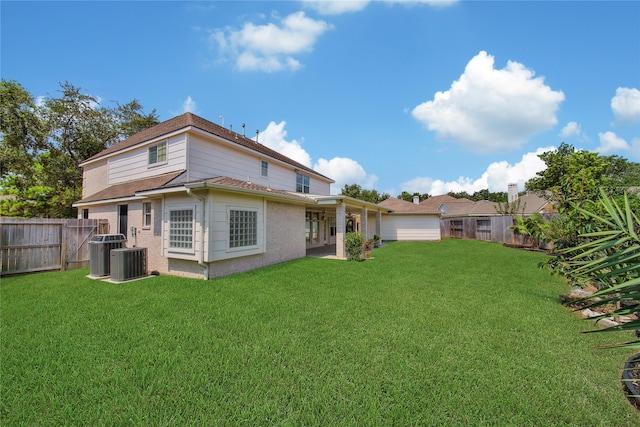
(201, 262)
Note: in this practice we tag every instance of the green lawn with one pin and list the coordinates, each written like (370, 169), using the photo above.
(450, 333)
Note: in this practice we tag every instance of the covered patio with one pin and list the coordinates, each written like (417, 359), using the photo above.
(340, 215)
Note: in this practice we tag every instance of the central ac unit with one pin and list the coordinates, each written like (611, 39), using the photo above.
(128, 264)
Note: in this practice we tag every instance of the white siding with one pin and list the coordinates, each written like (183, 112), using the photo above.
(133, 164)
(410, 227)
(208, 158)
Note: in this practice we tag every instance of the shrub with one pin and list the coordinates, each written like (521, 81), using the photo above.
(353, 244)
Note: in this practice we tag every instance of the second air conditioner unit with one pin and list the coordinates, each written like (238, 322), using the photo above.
(128, 264)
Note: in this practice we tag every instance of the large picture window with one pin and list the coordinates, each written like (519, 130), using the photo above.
(158, 153)
(181, 229)
(243, 228)
(302, 183)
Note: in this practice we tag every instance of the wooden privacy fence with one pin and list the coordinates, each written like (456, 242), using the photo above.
(489, 228)
(38, 244)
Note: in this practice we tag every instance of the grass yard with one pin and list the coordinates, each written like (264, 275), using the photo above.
(451, 333)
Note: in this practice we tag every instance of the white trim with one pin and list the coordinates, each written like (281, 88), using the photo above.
(108, 201)
(194, 212)
(158, 163)
(242, 209)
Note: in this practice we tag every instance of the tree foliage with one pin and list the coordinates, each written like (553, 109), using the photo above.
(357, 192)
(485, 194)
(408, 197)
(43, 144)
(572, 180)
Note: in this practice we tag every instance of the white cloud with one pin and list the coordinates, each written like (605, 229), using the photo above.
(571, 129)
(189, 105)
(342, 170)
(488, 110)
(626, 105)
(496, 178)
(337, 7)
(274, 137)
(611, 143)
(269, 47)
(345, 171)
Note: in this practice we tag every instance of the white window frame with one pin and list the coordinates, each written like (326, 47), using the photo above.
(264, 168)
(146, 215)
(303, 183)
(157, 148)
(231, 210)
(181, 249)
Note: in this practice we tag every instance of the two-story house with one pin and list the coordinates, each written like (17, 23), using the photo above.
(207, 201)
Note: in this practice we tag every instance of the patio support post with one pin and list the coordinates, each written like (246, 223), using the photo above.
(365, 224)
(340, 230)
(379, 224)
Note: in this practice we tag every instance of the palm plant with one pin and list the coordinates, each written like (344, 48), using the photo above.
(609, 258)
(533, 228)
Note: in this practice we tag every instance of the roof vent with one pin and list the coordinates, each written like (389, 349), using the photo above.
(257, 134)
(243, 130)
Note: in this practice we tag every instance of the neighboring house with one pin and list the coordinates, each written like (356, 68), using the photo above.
(208, 202)
(408, 221)
(450, 207)
(532, 203)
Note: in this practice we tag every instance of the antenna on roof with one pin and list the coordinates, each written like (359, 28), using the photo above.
(243, 130)
(222, 119)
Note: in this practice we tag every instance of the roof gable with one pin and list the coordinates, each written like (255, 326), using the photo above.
(190, 120)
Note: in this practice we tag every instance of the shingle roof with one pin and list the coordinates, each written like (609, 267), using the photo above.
(191, 120)
(233, 183)
(534, 203)
(402, 206)
(172, 180)
(436, 201)
(129, 189)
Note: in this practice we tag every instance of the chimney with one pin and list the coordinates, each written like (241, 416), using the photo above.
(416, 200)
(513, 193)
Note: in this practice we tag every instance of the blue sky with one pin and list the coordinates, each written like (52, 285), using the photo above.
(430, 96)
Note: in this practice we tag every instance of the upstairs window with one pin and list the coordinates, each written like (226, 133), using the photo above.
(158, 153)
(264, 168)
(302, 183)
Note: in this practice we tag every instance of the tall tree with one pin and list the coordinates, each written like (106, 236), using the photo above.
(408, 197)
(23, 133)
(573, 179)
(355, 191)
(571, 176)
(42, 146)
